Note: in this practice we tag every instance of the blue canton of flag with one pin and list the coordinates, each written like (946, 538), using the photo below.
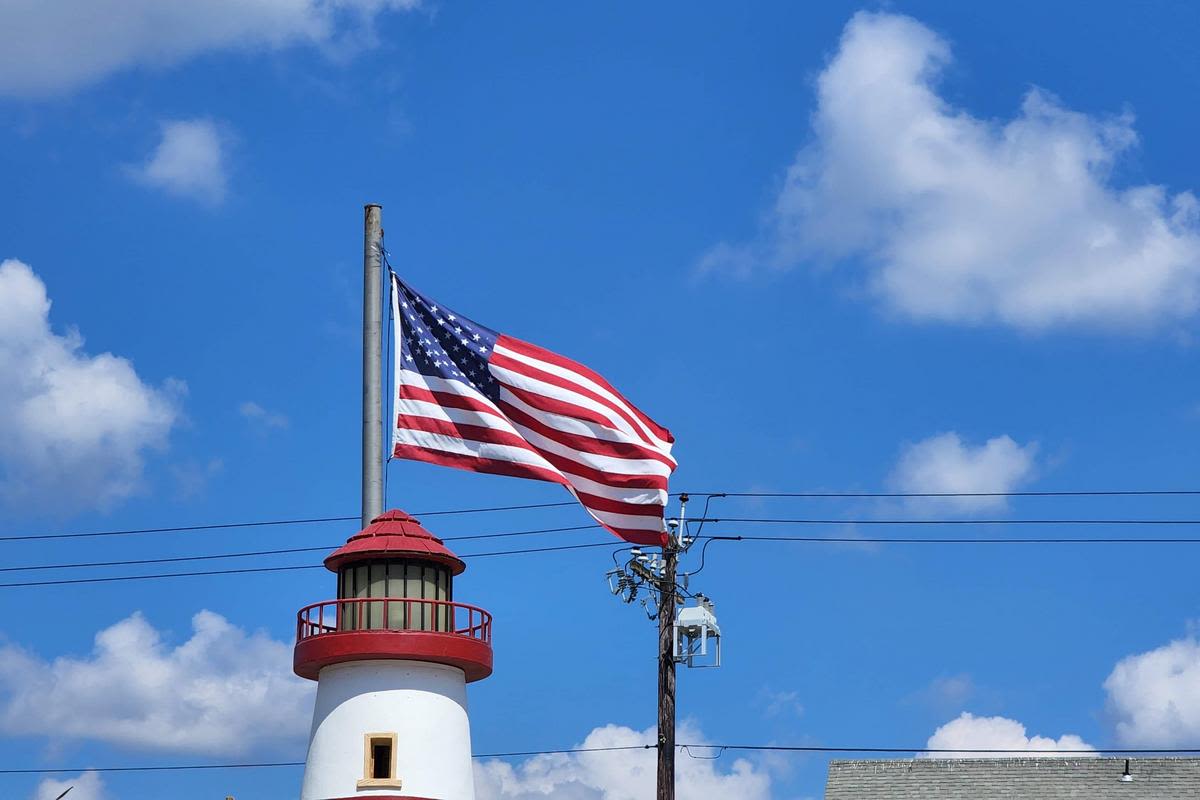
(437, 342)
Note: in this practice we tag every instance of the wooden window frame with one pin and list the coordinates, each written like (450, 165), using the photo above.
(369, 741)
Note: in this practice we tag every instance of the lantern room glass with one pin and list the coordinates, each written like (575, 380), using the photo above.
(399, 580)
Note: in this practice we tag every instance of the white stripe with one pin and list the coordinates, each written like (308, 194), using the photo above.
(586, 383)
(462, 416)
(522, 381)
(410, 377)
(572, 425)
(632, 521)
(640, 497)
(617, 466)
(471, 447)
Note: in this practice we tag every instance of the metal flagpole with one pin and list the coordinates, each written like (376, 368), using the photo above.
(666, 661)
(372, 400)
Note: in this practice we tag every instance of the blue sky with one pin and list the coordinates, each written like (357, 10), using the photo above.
(914, 247)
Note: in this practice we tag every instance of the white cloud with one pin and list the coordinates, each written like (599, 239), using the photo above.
(74, 428)
(189, 161)
(620, 775)
(968, 220)
(1155, 696)
(944, 463)
(51, 46)
(945, 692)
(261, 416)
(969, 732)
(781, 703)
(87, 786)
(222, 692)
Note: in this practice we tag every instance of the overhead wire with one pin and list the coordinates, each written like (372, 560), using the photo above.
(900, 495)
(942, 521)
(267, 523)
(154, 576)
(685, 748)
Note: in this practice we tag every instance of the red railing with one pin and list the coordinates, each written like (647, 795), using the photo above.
(393, 614)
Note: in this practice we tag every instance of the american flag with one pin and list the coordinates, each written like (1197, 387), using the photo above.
(468, 397)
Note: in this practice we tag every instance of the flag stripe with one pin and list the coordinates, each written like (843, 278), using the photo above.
(532, 385)
(618, 449)
(542, 354)
(533, 369)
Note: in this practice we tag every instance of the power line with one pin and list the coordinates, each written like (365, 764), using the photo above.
(708, 539)
(267, 523)
(903, 521)
(565, 503)
(684, 747)
(934, 540)
(131, 562)
(945, 750)
(248, 553)
(899, 495)
(154, 576)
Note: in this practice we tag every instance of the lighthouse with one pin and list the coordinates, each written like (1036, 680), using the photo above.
(392, 656)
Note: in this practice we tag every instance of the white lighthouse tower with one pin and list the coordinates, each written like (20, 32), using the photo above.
(392, 657)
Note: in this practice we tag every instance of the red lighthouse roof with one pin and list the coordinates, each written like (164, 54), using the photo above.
(394, 534)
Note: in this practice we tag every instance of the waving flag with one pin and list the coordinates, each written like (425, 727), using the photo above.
(468, 397)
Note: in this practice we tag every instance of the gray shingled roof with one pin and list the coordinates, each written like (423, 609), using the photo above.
(1013, 778)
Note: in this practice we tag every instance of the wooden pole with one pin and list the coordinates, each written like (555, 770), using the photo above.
(666, 673)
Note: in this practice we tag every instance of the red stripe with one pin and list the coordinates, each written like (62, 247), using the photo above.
(512, 469)
(613, 479)
(586, 444)
(476, 463)
(480, 433)
(553, 405)
(620, 506)
(532, 350)
(447, 399)
(501, 360)
(462, 430)
(646, 538)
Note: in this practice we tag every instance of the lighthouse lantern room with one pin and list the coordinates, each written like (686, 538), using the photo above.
(392, 656)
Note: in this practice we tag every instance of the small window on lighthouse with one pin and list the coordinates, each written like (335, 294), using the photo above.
(379, 760)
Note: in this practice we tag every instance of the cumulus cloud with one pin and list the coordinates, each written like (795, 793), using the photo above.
(87, 786)
(1155, 696)
(261, 417)
(969, 732)
(621, 775)
(967, 220)
(51, 46)
(189, 161)
(222, 692)
(944, 463)
(74, 428)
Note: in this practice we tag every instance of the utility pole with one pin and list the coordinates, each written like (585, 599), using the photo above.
(372, 399)
(666, 673)
(666, 660)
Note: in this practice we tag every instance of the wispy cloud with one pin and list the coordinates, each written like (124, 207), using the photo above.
(189, 161)
(53, 46)
(966, 220)
(261, 417)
